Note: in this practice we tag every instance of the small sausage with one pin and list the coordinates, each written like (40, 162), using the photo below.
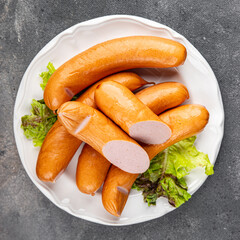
(107, 58)
(185, 121)
(57, 150)
(59, 146)
(94, 128)
(127, 111)
(91, 171)
(163, 96)
(93, 167)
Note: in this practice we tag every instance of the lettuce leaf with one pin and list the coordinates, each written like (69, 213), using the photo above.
(165, 176)
(46, 75)
(37, 125)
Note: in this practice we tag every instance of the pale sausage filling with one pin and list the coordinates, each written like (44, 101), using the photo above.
(127, 156)
(150, 132)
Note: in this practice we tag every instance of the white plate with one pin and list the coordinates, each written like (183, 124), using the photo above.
(196, 74)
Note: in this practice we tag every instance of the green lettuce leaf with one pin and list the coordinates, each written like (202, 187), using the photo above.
(37, 125)
(46, 75)
(165, 176)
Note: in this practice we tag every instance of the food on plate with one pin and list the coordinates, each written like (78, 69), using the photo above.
(93, 167)
(56, 152)
(59, 146)
(37, 125)
(46, 75)
(163, 96)
(94, 128)
(91, 170)
(165, 176)
(167, 140)
(128, 79)
(127, 111)
(185, 121)
(107, 58)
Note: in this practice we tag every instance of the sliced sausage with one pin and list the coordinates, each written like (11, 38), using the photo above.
(93, 167)
(127, 111)
(59, 146)
(94, 128)
(185, 121)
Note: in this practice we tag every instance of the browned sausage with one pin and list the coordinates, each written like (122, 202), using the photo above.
(94, 128)
(59, 146)
(163, 96)
(185, 121)
(107, 58)
(93, 167)
(91, 171)
(128, 112)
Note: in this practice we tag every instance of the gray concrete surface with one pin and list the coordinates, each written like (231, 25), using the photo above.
(212, 26)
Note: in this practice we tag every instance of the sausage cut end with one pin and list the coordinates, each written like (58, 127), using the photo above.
(150, 132)
(127, 156)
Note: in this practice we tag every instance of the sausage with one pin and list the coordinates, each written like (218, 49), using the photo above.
(163, 96)
(59, 146)
(107, 58)
(56, 152)
(127, 111)
(185, 121)
(128, 79)
(91, 170)
(92, 167)
(94, 128)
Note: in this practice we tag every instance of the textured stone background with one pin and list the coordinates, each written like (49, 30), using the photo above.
(212, 26)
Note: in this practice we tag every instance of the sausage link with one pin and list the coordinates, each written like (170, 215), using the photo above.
(107, 58)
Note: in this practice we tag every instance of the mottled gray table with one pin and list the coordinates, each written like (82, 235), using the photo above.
(213, 28)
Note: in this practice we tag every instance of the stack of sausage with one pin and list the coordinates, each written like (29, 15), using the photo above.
(122, 131)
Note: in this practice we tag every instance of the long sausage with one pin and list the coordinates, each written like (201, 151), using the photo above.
(94, 128)
(93, 167)
(107, 58)
(59, 146)
(127, 111)
(185, 121)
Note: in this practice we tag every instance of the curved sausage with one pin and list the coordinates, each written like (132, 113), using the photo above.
(185, 121)
(93, 167)
(94, 128)
(57, 150)
(107, 58)
(59, 146)
(128, 112)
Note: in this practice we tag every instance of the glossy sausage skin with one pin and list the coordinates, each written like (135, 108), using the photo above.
(163, 96)
(94, 128)
(91, 171)
(185, 121)
(107, 58)
(59, 146)
(128, 112)
(93, 167)
(56, 152)
(128, 79)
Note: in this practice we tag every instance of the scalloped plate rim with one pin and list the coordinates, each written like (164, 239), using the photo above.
(52, 44)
